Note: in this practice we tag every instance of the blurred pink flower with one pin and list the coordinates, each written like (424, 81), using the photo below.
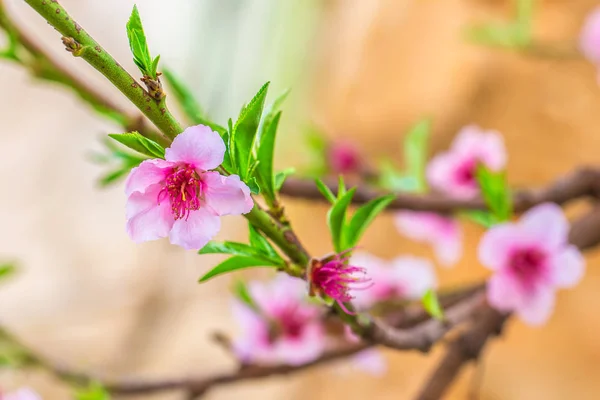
(442, 233)
(530, 259)
(343, 158)
(404, 277)
(284, 328)
(589, 39)
(370, 361)
(21, 394)
(179, 197)
(453, 172)
(333, 277)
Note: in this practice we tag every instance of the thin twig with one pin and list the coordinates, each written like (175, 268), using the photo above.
(583, 182)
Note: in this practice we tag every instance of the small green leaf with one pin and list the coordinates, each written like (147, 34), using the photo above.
(523, 21)
(495, 192)
(240, 249)
(259, 242)
(245, 130)
(235, 263)
(139, 45)
(363, 217)
(113, 176)
(240, 290)
(253, 185)
(282, 176)
(483, 218)
(94, 391)
(265, 154)
(492, 34)
(336, 219)
(139, 143)
(191, 107)
(7, 270)
(341, 187)
(325, 191)
(432, 305)
(415, 153)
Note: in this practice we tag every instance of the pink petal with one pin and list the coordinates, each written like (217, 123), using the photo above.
(21, 394)
(146, 219)
(568, 267)
(413, 275)
(497, 243)
(538, 307)
(493, 151)
(371, 362)
(226, 195)
(547, 224)
(195, 231)
(486, 146)
(301, 350)
(439, 171)
(449, 248)
(503, 292)
(254, 330)
(589, 40)
(149, 172)
(199, 146)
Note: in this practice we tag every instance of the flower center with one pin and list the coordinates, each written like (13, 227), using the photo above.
(465, 174)
(290, 324)
(528, 265)
(183, 188)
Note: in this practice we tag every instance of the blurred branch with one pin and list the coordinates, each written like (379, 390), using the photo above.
(584, 233)
(583, 182)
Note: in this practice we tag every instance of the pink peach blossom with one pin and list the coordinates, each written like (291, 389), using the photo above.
(370, 361)
(453, 172)
(442, 233)
(405, 277)
(21, 394)
(531, 259)
(589, 39)
(284, 328)
(180, 197)
(335, 278)
(343, 158)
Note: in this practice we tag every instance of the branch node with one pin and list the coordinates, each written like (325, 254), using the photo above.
(72, 46)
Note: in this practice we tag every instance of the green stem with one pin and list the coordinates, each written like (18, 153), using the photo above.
(100, 59)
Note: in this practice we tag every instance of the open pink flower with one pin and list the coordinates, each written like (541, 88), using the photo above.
(284, 327)
(180, 197)
(333, 277)
(453, 172)
(442, 233)
(21, 394)
(530, 260)
(589, 39)
(343, 158)
(404, 277)
(370, 361)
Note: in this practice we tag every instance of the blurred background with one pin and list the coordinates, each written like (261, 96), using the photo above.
(361, 70)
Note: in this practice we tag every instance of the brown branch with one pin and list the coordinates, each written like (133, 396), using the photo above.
(583, 182)
(584, 233)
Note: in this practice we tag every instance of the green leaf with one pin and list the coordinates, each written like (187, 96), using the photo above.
(94, 391)
(363, 217)
(341, 187)
(7, 270)
(259, 242)
(191, 107)
(281, 176)
(495, 192)
(325, 191)
(415, 153)
(492, 34)
(483, 218)
(235, 263)
(113, 176)
(245, 130)
(523, 21)
(139, 143)
(139, 45)
(253, 185)
(336, 219)
(432, 305)
(240, 249)
(240, 290)
(265, 154)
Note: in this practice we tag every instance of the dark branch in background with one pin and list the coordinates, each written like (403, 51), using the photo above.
(584, 233)
(584, 182)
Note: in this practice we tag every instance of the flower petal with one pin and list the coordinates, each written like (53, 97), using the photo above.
(199, 146)
(497, 243)
(589, 39)
(148, 173)
(226, 195)
(413, 275)
(538, 307)
(195, 231)
(568, 267)
(146, 219)
(21, 394)
(547, 224)
(503, 292)
(306, 348)
(371, 361)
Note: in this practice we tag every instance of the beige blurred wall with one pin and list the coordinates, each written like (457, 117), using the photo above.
(90, 298)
